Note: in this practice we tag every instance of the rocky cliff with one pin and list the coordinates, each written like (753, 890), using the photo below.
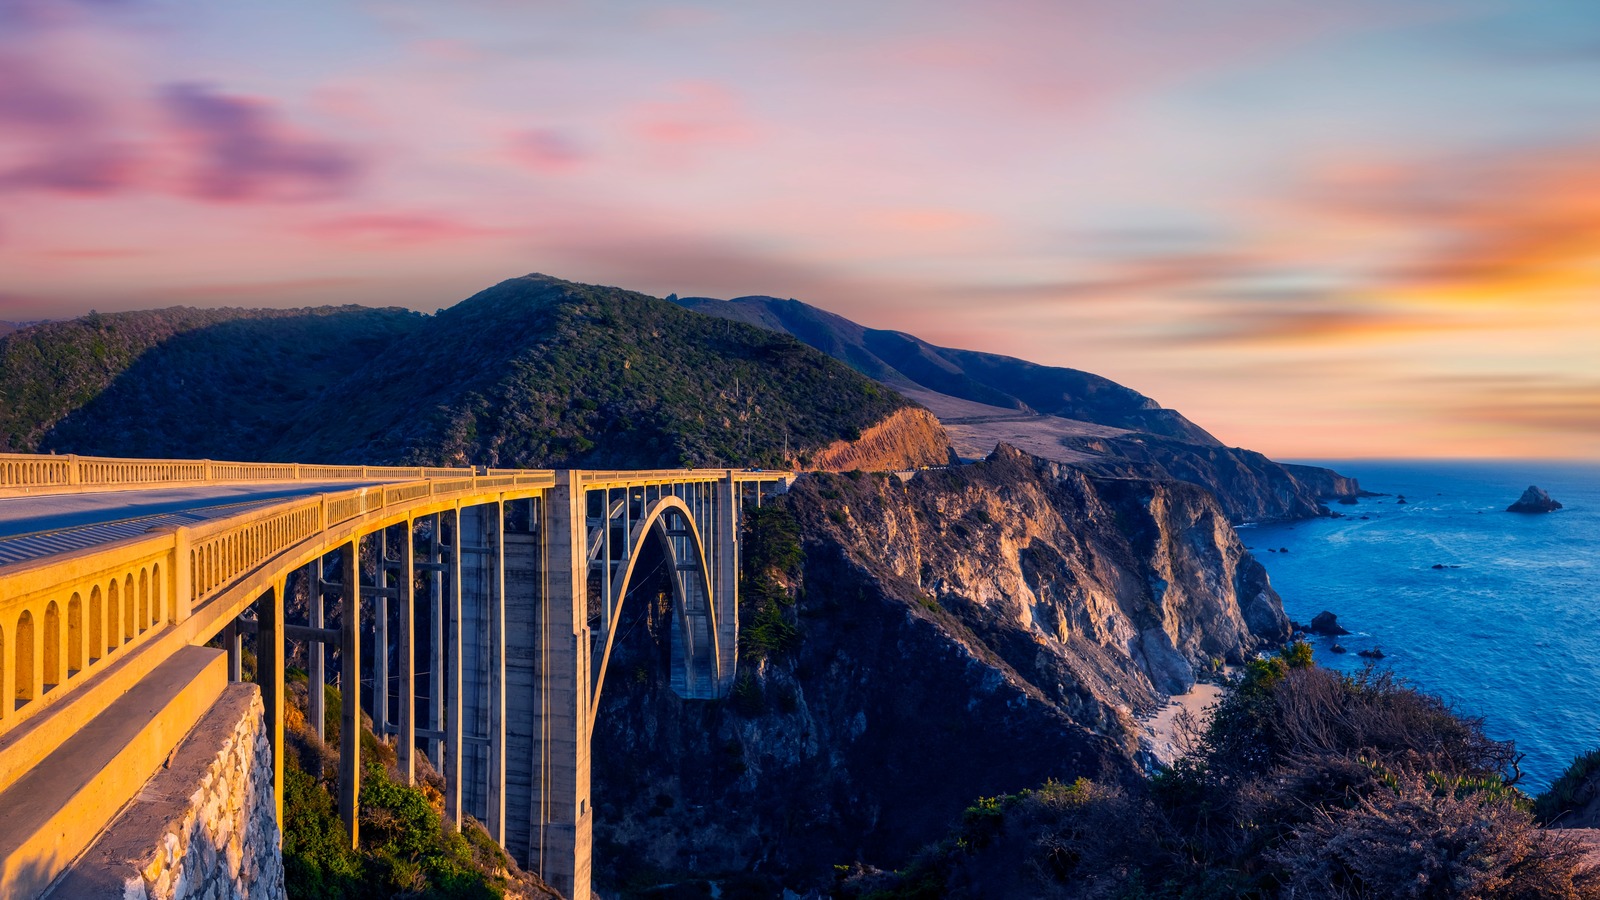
(1249, 486)
(1326, 483)
(963, 633)
(909, 438)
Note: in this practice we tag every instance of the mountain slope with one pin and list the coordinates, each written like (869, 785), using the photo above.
(532, 372)
(906, 362)
(178, 368)
(1062, 414)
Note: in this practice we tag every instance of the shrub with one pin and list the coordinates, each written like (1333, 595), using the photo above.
(1575, 789)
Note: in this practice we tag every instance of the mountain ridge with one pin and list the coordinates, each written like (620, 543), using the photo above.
(1067, 415)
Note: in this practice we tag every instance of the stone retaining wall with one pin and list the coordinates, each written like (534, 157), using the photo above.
(203, 827)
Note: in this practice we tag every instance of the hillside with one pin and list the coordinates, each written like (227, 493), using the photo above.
(129, 383)
(534, 371)
(983, 399)
(1001, 382)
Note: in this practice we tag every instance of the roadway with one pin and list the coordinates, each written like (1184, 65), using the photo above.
(38, 526)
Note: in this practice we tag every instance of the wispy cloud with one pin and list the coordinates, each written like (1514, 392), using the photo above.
(242, 151)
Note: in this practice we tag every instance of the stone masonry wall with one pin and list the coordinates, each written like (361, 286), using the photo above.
(203, 827)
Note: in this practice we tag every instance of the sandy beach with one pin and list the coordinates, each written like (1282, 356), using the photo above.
(1160, 737)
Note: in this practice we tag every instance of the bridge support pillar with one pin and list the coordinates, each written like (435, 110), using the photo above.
(725, 579)
(380, 637)
(270, 665)
(406, 740)
(316, 673)
(563, 789)
(494, 538)
(452, 679)
(350, 689)
(436, 623)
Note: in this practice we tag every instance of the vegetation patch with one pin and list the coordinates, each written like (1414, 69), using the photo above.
(1305, 783)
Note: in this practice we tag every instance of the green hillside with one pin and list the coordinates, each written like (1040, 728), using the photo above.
(534, 371)
(140, 371)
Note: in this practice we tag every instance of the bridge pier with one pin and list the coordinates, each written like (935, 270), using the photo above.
(405, 639)
(561, 801)
(350, 689)
(270, 668)
(452, 681)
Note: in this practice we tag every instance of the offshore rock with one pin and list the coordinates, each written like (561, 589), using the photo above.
(1327, 623)
(1534, 500)
(968, 632)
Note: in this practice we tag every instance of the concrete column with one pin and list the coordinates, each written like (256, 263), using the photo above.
(494, 535)
(316, 674)
(270, 665)
(8, 670)
(182, 577)
(350, 687)
(380, 639)
(406, 742)
(725, 577)
(452, 687)
(568, 838)
(436, 612)
(231, 642)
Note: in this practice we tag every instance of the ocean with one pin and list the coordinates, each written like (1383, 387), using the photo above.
(1509, 630)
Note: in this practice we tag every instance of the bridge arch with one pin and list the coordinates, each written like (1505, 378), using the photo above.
(695, 632)
(130, 616)
(52, 673)
(26, 683)
(97, 625)
(75, 661)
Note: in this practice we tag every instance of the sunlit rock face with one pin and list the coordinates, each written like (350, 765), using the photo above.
(964, 633)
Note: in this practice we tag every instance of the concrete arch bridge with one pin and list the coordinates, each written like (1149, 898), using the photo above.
(472, 615)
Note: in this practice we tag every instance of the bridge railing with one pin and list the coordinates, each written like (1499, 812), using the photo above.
(26, 473)
(65, 617)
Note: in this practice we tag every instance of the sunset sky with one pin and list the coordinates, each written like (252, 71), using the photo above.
(1319, 229)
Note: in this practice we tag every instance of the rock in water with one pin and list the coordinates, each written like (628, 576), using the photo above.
(1327, 623)
(1534, 500)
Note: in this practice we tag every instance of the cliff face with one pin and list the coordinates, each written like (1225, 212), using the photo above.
(907, 439)
(1327, 483)
(966, 632)
(1249, 486)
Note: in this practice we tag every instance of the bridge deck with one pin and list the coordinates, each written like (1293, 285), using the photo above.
(37, 527)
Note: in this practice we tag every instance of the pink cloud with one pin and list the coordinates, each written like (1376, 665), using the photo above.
(89, 169)
(241, 152)
(546, 150)
(699, 113)
(398, 229)
(57, 136)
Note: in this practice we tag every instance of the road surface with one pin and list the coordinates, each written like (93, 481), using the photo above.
(32, 527)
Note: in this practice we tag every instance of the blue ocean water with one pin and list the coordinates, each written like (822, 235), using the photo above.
(1512, 634)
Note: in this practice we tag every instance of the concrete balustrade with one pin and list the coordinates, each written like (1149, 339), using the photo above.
(515, 666)
(29, 474)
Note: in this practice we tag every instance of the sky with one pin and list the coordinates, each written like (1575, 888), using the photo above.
(1330, 230)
